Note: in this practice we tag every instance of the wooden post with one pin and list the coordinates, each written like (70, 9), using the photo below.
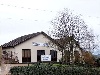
(0, 54)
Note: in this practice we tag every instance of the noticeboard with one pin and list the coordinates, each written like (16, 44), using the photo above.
(45, 57)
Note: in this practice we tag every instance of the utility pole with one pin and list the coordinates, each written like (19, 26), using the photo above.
(0, 54)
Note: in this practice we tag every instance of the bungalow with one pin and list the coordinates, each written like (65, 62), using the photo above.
(29, 48)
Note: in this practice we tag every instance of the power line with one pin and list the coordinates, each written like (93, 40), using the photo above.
(21, 19)
(2, 4)
(29, 8)
(26, 8)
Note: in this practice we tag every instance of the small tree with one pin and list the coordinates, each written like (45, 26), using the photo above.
(88, 58)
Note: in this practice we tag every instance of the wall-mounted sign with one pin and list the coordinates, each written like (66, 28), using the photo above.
(45, 57)
(40, 44)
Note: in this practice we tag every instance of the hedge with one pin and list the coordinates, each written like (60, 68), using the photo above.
(48, 69)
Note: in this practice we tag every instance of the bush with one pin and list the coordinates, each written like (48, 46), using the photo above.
(49, 69)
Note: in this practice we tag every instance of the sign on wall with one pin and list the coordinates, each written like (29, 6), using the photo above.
(40, 44)
(45, 57)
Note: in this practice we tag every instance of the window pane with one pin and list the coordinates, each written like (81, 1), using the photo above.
(22, 53)
(25, 54)
(28, 53)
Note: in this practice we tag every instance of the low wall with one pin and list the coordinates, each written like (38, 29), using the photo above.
(4, 69)
(12, 65)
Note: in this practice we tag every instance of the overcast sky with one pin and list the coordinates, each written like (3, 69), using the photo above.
(20, 17)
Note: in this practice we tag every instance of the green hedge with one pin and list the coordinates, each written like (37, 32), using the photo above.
(48, 69)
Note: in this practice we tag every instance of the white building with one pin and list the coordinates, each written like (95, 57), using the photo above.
(29, 48)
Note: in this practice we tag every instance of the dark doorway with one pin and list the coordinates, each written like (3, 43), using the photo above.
(26, 55)
(53, 54)
(39, 53)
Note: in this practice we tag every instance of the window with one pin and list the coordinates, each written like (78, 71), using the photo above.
(26, 55)
(39, 53)
(53, 54)
(67, 56)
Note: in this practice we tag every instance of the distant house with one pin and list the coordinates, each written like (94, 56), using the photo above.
(29, 48)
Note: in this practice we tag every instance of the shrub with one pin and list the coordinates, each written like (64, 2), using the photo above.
(49, 69)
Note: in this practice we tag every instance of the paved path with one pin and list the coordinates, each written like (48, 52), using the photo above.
(4, 69)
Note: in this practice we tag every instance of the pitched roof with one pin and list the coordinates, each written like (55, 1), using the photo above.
(22, 39)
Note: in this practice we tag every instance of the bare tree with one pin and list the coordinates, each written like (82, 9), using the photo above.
(72, 32)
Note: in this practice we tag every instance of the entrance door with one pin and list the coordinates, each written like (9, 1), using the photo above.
(39, 53)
